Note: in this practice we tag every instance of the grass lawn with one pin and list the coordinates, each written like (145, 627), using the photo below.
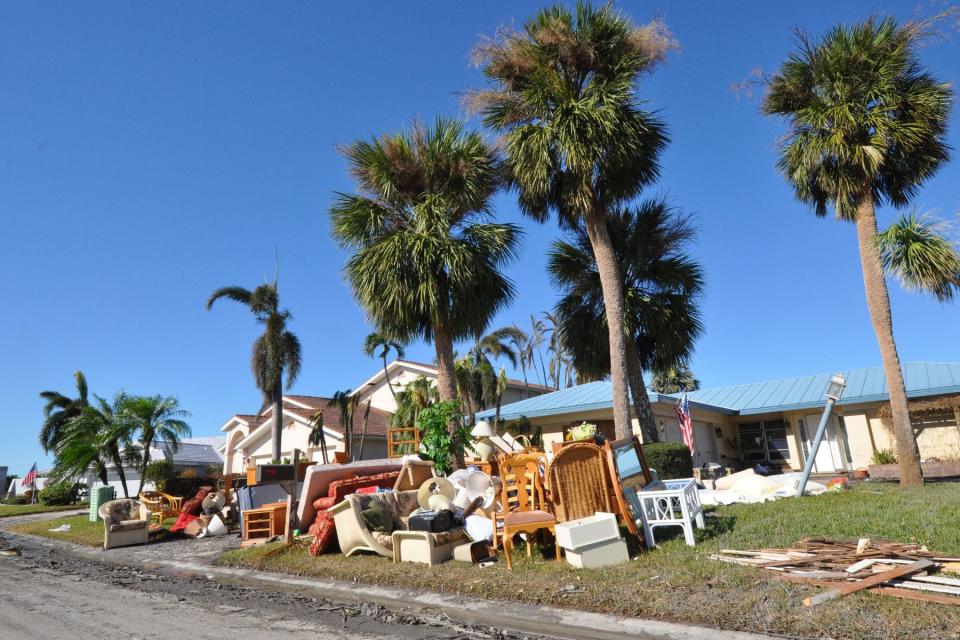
(82, 531)
(679, 583)
(7, 511)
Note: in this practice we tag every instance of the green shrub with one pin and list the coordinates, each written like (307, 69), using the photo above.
(435, 439)
(60, 493)
(884, 456)
(159, 472)
(670, 459)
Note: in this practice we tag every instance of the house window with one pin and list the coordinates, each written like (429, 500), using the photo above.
(764, 441)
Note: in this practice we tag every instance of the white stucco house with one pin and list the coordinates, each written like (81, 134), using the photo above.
(248, 436)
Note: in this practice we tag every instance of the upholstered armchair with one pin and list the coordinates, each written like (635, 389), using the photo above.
(125, 522)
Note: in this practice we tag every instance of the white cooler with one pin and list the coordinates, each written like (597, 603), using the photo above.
(601, 554)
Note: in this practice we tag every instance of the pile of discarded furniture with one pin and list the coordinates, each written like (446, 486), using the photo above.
(908, 571)
(397, 508)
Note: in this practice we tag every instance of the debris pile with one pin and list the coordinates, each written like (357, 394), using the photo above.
(902, 570)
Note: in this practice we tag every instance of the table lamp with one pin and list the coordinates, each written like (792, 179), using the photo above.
(482, 432)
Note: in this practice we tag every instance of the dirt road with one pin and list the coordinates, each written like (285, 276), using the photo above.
(49, 594)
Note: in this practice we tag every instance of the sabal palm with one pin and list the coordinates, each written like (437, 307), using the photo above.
(58, 409)
(276, 353)
(426, 254)
(674, 380)
(158, 419)
(661, 284)
(577, 142)
(918, 251)
(375, 342)
(867, 126)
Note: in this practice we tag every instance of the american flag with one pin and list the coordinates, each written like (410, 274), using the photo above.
(31, 476)
(686, 423)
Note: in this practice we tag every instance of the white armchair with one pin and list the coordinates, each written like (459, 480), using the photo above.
(126, 522)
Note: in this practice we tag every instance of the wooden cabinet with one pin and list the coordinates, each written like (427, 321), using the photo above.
(267, 521)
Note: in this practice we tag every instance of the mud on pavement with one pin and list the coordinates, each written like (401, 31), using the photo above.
(54, 560)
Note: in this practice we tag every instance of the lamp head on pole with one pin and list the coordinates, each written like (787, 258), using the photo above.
(836, 386)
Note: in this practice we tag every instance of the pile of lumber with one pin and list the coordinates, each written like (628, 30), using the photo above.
(901, 570)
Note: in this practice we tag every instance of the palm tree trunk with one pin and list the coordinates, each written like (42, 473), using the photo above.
(612, 286)
(118, 464)
(446, 377)
(641, 401)
(144, 461)
(878, 304)
(387, 376)
(277, 427)
(363, 429)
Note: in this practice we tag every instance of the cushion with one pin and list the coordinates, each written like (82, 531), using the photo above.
(128, 525)
(324, 534)
(377, 517)
(383, 539)
(528, 517)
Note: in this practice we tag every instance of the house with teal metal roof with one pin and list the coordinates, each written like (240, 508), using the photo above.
(774, 421)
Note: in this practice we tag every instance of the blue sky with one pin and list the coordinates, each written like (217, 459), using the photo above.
(150, 153)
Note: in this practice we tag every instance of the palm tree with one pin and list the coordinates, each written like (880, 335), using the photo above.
(419, 394)
(867, 126)
(917, 250)
(98, 437)
(674, 380)
(158, 418)
(377, 340)
(427, 256)
(577, 142)
(537, 333)
(346, 404)
(317, 436)
(522, 345)
(661, 286)
(276, 353)
(58, 409)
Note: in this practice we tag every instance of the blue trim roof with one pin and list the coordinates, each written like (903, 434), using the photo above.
(863, 385)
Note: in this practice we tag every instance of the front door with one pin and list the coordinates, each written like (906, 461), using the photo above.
(829, 458)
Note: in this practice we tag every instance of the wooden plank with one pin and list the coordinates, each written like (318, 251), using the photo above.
(866, 583)
(924, 586)
(859, 566)
(922, 596)
(951, 582)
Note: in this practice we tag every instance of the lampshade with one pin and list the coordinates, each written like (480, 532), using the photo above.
(482, 430)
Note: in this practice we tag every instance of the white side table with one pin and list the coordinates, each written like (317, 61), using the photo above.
(670, 503)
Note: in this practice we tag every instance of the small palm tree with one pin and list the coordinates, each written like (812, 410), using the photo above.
(427, 256)
(577, 142)
(58, 409)
(346, 404)
(419, 394)
(377, 341)
(867, 126)
(158, 418)
(537, 335)
(661, 285)
(317, 436)
(522, 345)
(917, 250)
(674, 380)
(276, 353)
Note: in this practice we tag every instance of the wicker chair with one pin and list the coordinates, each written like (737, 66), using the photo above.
(160, 505)
(580, 483)
(525, 508)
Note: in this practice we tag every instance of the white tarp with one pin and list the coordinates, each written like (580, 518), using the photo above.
(748, 487)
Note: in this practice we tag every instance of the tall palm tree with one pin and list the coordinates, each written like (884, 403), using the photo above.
(346, 404)
(58, 409)
(661, 284)
(427, 255)
(377, 341)
(917, 250)
(537, 335)
(276, 353)
(866, 127)
(317, 436)
(577, 142)
(674, 380)
(521, 344)
(158, 418)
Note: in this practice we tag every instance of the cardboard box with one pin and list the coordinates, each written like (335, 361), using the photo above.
(601, 554)
(584, 532)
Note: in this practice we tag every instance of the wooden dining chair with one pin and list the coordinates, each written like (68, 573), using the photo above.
(522, 498)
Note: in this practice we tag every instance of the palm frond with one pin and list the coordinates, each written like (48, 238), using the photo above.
(919, 252)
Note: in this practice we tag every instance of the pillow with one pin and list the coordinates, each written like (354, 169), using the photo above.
(377, 517)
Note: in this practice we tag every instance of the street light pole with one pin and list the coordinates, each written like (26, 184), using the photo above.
(834, 391)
